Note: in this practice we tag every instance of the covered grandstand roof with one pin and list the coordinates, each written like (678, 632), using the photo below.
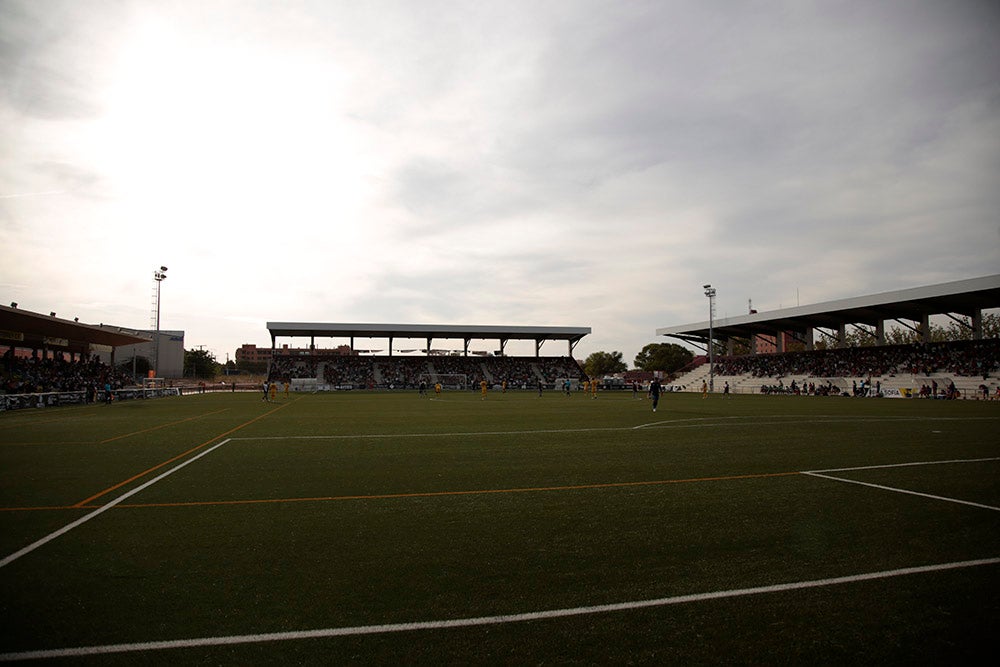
(963, 297)
(23, 328)
(427, 331)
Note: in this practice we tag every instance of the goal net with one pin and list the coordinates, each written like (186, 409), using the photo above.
(447, 380)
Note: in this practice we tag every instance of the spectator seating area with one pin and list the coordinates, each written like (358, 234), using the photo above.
(384, 372)
(31, 375)
(969, 365)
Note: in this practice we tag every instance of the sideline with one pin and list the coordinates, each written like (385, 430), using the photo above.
(819, 473)
(484, 620)
(65, 529)
(101, 510)
(108, 490)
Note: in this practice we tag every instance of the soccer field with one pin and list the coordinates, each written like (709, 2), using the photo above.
(393, 528)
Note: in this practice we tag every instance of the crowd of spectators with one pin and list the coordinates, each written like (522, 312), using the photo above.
(32, 375)
(344, 370)
(284, 369)
(967, 358)
(365, 372)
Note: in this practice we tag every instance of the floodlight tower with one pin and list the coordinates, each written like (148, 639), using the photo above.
(710, 293)
(159, 276)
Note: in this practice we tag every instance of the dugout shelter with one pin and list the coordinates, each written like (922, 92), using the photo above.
(911, 308)
(427, 333)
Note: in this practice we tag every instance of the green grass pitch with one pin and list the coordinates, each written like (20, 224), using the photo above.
(389, 528)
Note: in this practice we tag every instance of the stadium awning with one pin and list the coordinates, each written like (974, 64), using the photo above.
(428, 332)
(965, 297)
(22, 328)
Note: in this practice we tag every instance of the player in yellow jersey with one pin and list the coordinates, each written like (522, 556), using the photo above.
(437, 388)
(482, 388)
(593, 388)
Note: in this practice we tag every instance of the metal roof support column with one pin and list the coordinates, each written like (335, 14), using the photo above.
(880, 332)
(779, 341)
(538, 347)
(842, 334)
(390, 346)
(429, 339)
(809, 339)
(465, 347)
(977, 324)
(925, 328)
(503, 346)
(352, 344)
(729, 345)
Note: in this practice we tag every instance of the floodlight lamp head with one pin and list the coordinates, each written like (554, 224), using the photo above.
(163, 268)
(709, 286)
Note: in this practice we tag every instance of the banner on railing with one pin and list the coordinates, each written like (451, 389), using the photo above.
(57, 398)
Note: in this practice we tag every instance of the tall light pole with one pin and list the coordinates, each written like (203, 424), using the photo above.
(710, 293)
(159, 276)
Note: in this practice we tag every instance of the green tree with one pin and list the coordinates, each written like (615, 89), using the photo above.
(669, 357)
(599, 364)
(200, 364)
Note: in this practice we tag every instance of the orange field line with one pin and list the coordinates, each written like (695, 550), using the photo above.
(168, 461)
(428, 494)
(155, 428)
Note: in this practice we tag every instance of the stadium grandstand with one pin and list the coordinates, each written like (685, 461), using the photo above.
(960, 368)
(50, 361)
(346, 368)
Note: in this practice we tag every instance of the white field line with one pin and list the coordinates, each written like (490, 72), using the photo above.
(670, 423)
(906, 491)
(482, 620)
(903, 465)
(819, 473)
(104, 508)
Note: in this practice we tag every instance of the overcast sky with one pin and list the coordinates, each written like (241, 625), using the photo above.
(554, 163)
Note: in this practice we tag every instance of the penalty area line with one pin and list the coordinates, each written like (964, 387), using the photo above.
(483, 620)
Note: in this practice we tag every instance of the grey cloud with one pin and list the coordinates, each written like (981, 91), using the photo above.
(50, 53)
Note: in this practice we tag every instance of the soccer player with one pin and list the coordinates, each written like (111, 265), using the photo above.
(593, 388)
(482, 388)
(437, 388)
(704, 389)
(654, 392)
(266, 388)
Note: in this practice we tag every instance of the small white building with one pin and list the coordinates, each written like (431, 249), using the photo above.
(171, 352)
